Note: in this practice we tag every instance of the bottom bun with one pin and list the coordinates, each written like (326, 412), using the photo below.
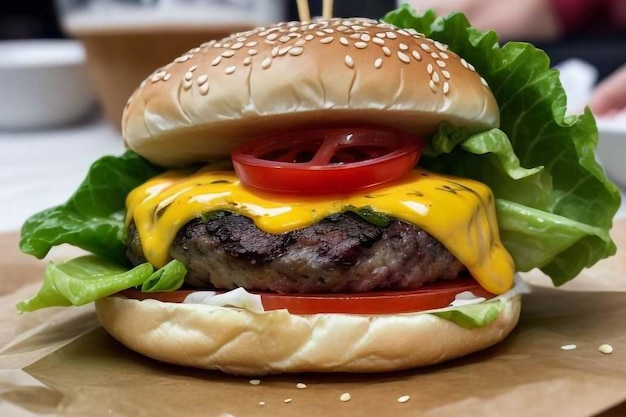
(241, 342)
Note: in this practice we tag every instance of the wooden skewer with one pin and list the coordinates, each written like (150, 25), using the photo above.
(327, 9)
(303, 10)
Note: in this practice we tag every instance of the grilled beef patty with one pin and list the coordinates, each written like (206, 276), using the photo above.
(342, 253)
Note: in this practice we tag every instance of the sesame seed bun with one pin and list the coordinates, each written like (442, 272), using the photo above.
(297, 75)
(238, 341)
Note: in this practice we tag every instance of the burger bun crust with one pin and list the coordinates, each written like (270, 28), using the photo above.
(241, 342)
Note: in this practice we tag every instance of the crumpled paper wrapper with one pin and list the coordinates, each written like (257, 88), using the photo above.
(60, 362)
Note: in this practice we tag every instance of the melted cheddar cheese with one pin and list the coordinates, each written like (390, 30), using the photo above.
(458, 212)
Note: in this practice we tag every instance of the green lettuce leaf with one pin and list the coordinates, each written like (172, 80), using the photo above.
(555, 204)
(89, 278)
(93, 217)
(472, 316)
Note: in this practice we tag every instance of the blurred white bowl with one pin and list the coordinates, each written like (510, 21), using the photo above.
(612, 147)
(43, 83)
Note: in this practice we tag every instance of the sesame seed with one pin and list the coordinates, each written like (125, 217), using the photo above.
(255, 382)
(412, 31)
(226, 45)
(344, 41)
(207, 44)
(247, 60)
(349, 61)
(484, 82)
(434, 55)
(265, 64)
(446, 87)
(404, 57)
(287, 400)
(188, 75)
(193, 68)
(605, 348)
(444, 55)
(309, 37)
(355, 36)
(296, 51)
(284, 38)
(252, 52)
(386, 51)
(230, 70)
(269, 42)
(228, 53)
(187, 84)
(217, 45)
(403, 46)
(416, 55)
(301, 385)
(381, 35)
(329, 30)
(391, 35)
(430, 68)
(327, 39)
(365, 37)
(216, 61)
(378, 63)
(194, 50)
(435, 77)
(440, 63)
(283, 51)
(275, 50)
(425, 46)
(378, 41)
(204, 89)
(236, 46)
(262, 403)
(272, 36)
(464, 62)
(404, 32)
(320, 33)
(441, 46)
(404, 399)
(431, 84)
(471, 67)
(301, 42)
(360, 45)
(251, 44)
(446, 74)
(345, 397)
(241, 39)
(569, 347)
(312, 26)
(183, 58)
(342, 28)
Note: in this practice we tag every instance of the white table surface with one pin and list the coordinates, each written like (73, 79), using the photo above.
(41, 169)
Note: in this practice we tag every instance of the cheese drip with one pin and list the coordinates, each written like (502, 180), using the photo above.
(458, 212)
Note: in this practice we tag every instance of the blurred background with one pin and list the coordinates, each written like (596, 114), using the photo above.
(126, 39)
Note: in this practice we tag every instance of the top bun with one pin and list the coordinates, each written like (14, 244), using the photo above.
(300, 75)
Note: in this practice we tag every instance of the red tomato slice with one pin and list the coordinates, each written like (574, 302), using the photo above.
(326, 161)
(429, 297)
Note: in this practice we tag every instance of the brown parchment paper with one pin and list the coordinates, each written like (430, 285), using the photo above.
(60, 362)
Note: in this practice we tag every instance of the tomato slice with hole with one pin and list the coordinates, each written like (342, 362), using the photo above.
(431, 296)
(326, 161)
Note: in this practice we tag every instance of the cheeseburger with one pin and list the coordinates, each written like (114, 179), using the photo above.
(340, 195)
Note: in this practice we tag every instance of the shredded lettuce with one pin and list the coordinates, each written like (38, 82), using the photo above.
(472, 316)
(89, 278)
